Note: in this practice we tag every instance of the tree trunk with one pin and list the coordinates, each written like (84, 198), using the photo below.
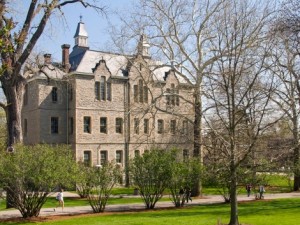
(13, 92)
(296, 169)
(233, 197)
(197, 189)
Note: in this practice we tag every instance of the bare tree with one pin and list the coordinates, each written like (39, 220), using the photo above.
(180, 34)
(15, 47)
(238, 87)
(286, 58)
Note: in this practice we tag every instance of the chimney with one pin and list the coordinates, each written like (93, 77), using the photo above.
(65, 57)
(47, 58)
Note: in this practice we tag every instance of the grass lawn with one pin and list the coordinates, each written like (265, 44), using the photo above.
(275, 212)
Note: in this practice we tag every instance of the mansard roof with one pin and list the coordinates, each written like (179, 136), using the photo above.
(85, 60)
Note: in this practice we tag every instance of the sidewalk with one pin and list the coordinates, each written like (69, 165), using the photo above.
(209, 199)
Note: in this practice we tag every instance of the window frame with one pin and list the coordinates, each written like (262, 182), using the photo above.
(54, 124)
(119, 125)
(54, 94)
(89, 161)
(160, 126)
(105, 159)
(119, 160)
(87, 126)
(103, 126)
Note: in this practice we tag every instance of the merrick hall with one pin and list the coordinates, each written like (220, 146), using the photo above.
(108, 106)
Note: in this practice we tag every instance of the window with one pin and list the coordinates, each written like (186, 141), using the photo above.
(119, 156)
(26, 94)
(54, 94)
(173, 126)
(103, 88)
(185, 154)
(103, 157)
(103, 125)
(135, 93)
(146, 126)
(168, 96)
(136, 126)
(71, 125)
(172, 94)
(97, 90)
(119, 125)
(87, 124)
(87, 160)
(141, 90)
(136, 153)
(185, 127)
(25, 127)
(177, 97)
(108, 90)
(145, 94)
(160, 126)
(54, 125)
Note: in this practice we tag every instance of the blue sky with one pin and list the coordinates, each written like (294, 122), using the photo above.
(61, 30)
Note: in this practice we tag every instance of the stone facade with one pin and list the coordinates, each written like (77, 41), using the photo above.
(108, 106)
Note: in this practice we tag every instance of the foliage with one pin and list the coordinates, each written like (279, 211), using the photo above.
(31, 172)
(102, 180)
(151, 174)
(184, 172)
(83, 180)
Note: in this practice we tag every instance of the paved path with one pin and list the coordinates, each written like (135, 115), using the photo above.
(209, 199)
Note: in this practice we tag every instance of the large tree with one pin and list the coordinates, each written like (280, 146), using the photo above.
(180, 35)
(238, 87)
(286, 32)
(17, 40)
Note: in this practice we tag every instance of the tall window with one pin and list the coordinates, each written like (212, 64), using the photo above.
(119, 125)
(136, 126)
(25, 127)
(172, 94)
(26, 95)
(103, 125)
(141, 90)
(160, 126)
(185, 127)
(103, 157)
(54, 94)
(71, 125)
(108, 91)
(97, 90)
(103, 88)
(87, 159)
(146, 126)
(136, 93)
(87, 124)
(173, 126)
(168, 97)
(119, 156)
(145, 94)
(54, 125)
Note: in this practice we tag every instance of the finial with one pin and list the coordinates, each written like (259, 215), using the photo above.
(80, 18)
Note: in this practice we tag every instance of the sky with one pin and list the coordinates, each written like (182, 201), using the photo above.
(61, 30)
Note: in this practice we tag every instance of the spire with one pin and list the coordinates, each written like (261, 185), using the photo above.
(143, 46)
(81, 35)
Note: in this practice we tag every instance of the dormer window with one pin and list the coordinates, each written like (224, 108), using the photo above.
(140, 92)
(103, 89)
(54, 94)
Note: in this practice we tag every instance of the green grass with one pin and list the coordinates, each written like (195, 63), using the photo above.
(275, 212)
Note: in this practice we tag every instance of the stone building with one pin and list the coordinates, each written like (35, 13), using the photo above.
(107, 106)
